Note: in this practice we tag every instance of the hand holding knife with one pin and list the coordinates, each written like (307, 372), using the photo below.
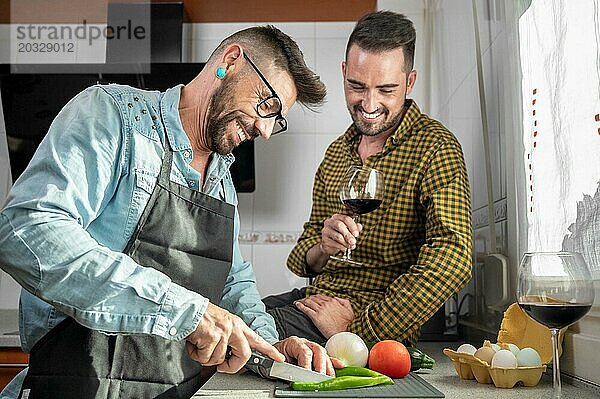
(268, 368)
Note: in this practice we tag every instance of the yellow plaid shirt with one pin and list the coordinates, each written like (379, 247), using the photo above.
(415, 248)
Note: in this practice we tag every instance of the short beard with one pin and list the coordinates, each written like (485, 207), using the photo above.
(368, 130)
(220, 142)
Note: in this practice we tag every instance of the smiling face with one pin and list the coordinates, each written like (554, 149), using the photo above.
(376, 85)
(233, 117)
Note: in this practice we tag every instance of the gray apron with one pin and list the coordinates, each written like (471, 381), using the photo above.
(188, 236)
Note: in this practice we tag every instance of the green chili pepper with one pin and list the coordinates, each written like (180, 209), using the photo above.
(357, 371)
(343, 382)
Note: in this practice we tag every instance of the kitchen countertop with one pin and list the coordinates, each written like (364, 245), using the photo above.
(9, 328)
(443, 377)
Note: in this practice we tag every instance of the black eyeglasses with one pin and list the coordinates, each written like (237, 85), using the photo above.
(270, 106)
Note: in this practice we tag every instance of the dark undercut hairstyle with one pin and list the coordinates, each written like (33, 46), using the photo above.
(385, 31)
(269, 48)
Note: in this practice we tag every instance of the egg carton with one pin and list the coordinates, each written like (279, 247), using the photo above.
(469, 367)
(521, 330)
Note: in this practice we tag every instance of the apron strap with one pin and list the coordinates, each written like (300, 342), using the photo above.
(165, 170)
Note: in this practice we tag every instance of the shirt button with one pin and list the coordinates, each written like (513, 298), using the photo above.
(172, 331)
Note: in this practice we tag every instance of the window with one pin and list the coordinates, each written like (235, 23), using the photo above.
(560, 62)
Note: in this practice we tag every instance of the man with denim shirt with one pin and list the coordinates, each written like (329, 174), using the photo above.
(123, 231)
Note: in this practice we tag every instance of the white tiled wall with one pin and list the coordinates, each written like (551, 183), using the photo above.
(271, 275)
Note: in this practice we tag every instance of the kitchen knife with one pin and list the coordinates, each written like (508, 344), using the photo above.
(268, 368)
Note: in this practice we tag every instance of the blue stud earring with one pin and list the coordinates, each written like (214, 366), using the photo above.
(220, 72)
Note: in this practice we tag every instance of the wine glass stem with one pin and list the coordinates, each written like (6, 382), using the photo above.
(555, 365)
(348, 254)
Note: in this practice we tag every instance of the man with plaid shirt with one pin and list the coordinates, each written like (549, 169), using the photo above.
(415, 249)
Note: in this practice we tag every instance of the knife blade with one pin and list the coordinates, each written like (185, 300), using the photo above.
(268, 368)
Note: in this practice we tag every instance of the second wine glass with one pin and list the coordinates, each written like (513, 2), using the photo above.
(555, 289)
(361, 191)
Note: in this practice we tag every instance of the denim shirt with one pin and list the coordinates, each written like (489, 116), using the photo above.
(73, 210)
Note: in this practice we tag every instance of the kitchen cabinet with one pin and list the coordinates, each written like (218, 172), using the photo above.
(12, 361)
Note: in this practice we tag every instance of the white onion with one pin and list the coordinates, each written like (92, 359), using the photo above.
(349, 348)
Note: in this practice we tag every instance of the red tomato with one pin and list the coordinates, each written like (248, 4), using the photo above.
(391, 358)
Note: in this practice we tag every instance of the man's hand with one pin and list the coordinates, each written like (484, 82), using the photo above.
(220, 330)
(308, 355)
(339, 233)
(330, 315)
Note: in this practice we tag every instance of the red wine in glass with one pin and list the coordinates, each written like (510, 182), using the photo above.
(555, 315)
(360, 206)
(361, 191)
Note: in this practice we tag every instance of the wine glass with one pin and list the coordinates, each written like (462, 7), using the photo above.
(555, 289)
(361, 191)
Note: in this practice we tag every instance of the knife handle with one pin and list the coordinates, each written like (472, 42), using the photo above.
(259, 364)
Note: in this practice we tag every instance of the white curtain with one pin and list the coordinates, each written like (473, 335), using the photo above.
(560, 61)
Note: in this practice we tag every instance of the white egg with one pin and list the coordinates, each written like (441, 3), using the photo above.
(495, 347)
(467, 348)
(504, 359)
(514, 349)
(529, 357)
